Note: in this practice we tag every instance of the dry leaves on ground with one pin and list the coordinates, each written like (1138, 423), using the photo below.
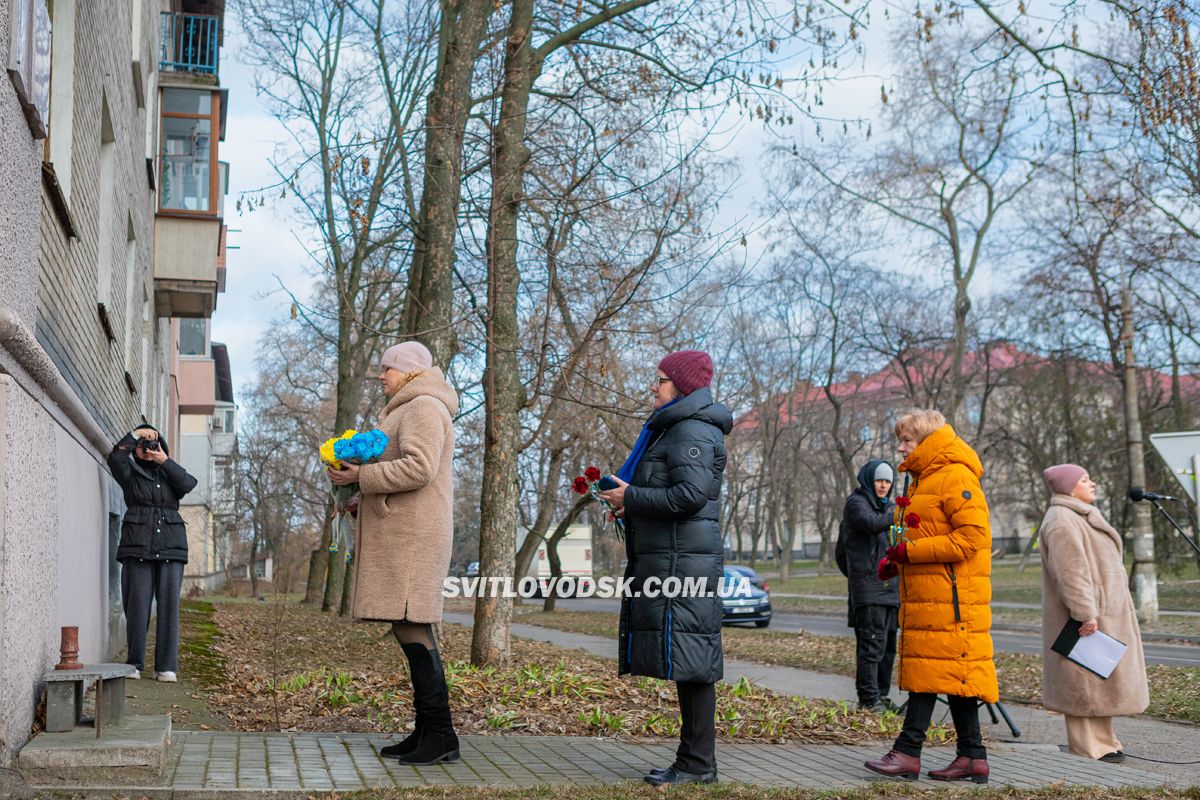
(288, 666)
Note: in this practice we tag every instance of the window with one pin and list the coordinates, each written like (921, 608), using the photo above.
(193, 337)
(260, 568)
(223, 420)
(108, 212)
(189, 175)
(29, 54)
(60, 146)
(133, 313)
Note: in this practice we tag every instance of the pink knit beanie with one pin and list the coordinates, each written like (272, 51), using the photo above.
(1063, 478)
(407, 357)
(689, 370)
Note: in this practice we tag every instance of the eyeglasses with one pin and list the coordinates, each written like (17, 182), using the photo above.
(659, 381)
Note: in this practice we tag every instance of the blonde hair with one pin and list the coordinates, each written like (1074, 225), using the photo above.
(408, 378)
(920, 422)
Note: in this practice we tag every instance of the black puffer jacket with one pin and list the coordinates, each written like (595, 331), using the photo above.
(862, 535)
(152, 530)
(671, 517)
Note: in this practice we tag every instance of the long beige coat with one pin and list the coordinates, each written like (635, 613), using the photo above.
(1083, 577)
(406, 520)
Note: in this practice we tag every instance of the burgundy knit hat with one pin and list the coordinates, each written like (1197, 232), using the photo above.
(689, 370)
(1063, 478)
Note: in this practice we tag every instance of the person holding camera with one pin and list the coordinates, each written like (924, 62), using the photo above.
(874, 603)
(153, 548)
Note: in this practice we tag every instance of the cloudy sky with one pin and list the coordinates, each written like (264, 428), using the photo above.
(271, 241)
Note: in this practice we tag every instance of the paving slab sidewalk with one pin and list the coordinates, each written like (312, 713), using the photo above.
(208, 764)
(1144, 736)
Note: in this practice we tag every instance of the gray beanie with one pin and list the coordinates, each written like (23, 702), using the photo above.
(884, 473)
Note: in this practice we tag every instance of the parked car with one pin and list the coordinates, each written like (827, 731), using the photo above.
(738, 607)
(472, 570)
(751, 574)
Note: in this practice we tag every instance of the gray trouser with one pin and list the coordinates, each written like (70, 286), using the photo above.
(143, 583)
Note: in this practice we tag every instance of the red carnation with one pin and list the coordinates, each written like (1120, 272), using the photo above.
(903, 501)
(592, 474)
(580, 485)
(913, 520)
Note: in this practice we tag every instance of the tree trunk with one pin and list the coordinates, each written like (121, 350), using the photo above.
(347, 590)
(552, 548)
(503, 392)
(253, 553)
(537, 533)
(318, 563)
(958, 377)
(336, 580)
(428, 304)
(1144, 581)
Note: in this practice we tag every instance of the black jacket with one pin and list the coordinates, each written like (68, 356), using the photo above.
(672, 530)
(153, 530)
(863, 541)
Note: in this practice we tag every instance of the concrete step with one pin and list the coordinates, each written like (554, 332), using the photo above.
(133, 754)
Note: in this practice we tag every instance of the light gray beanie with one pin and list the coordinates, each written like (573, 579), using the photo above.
(884, 473)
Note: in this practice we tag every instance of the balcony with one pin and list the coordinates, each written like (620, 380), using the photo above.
(191, 43)
(189, 259)
(186, 277)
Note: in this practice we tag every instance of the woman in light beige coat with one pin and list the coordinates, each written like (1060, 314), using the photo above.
(1083, 579)
(405, 534)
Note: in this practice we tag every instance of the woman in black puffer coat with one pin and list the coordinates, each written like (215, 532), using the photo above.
(668, 493)
(153, 547)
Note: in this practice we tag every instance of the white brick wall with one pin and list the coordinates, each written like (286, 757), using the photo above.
(70, 270)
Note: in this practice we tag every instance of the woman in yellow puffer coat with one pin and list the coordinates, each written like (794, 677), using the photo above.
(944, 562)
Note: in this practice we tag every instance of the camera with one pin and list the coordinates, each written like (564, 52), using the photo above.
(148, 445)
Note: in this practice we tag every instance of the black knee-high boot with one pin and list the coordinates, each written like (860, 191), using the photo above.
(436, 740)
(408, 743)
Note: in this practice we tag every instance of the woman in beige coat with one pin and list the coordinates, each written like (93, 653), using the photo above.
(405, 533)
(1083, 579)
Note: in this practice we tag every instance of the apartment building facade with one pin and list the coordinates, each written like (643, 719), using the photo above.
(107, 241)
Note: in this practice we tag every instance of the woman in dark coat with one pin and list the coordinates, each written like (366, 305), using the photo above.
(153, 547)
(667, 493)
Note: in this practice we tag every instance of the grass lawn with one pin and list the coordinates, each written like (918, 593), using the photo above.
(728, 791)
(1174, 691)
(285, 666)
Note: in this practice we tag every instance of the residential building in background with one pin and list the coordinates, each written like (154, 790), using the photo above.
(111, 245)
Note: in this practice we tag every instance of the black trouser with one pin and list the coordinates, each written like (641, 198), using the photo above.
(918, 715)
(697, 751)
(152, 582)
(875, 633)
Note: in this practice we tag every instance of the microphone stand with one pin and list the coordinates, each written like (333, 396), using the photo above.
(1179, 530)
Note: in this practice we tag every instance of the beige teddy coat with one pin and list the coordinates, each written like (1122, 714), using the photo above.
(1083, 577)
(406, 518)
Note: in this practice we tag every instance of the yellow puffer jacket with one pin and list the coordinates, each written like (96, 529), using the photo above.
(945, 591)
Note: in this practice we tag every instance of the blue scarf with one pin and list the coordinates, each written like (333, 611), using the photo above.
(627, 469)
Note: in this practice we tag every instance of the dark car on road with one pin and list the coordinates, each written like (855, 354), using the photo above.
(751, 574)
(742, 601)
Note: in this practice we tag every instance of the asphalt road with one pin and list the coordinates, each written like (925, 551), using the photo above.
(1005, 641)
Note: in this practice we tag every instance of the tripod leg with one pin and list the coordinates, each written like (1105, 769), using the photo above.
(991, 712)
(1016, 732)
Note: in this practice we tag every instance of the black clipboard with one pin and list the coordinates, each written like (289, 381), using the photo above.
(1068, 639)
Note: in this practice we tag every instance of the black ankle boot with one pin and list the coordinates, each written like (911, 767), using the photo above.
(436, 740)
(405, 745)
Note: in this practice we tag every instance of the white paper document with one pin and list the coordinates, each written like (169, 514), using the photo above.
(1099, 652)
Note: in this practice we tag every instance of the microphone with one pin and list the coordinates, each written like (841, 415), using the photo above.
(1138, 494)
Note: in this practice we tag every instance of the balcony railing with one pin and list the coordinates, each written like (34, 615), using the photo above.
(190, 43)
